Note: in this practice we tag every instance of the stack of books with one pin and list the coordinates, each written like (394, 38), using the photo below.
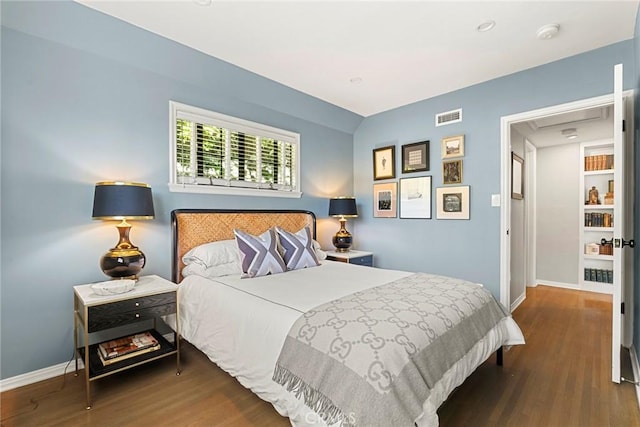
(598, 162)
(598, 275)
(126, 347)
(598, 219)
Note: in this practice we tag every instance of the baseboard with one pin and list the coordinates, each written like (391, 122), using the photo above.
(636, 371)
(602, 288)
(39, 375)
(557, 284)
(47, 373)
(518, 301)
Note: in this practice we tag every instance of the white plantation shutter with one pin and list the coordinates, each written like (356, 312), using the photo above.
(244, 157)
(214, 153)
(277, 160)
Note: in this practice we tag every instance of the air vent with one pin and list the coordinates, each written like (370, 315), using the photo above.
(448, 117)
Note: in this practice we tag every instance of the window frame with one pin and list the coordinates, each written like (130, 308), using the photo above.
(178, 110)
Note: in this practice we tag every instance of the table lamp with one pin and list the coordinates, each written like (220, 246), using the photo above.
(122, 201)
(343, 207)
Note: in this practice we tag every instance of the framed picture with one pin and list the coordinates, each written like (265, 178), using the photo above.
(415, 157)
(384, 200)
(452, 172)
(384, 162)
(453, 146)
(517, 175)
(452, 202)
(415, 197)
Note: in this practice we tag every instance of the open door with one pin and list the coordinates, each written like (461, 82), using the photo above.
(619, 242)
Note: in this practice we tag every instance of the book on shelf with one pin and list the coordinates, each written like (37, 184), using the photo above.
(599, 275)
(107, 362)
(123, 346)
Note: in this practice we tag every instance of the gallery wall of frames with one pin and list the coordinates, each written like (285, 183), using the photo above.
(408, 195)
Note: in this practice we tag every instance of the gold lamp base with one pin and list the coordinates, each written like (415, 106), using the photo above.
(125, 261)
(122, 264)
(342, 239)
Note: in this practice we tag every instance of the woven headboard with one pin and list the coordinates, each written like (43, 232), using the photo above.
(193, 227)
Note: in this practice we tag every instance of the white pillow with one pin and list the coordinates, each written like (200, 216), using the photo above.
(228, 269)
(320, 254)
(213, 254)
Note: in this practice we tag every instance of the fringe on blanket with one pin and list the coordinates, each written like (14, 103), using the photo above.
(318, 402)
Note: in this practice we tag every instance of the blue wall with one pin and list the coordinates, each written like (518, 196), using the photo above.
(468, 249)
(85, 98)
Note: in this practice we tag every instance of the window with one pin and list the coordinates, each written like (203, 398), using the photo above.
(214, 153)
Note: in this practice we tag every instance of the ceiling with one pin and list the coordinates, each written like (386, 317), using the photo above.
(591, 124)
(373, 56)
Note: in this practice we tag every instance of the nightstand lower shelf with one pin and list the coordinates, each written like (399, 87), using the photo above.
(97, 370)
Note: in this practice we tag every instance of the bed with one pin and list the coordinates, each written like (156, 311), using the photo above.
(332, 343)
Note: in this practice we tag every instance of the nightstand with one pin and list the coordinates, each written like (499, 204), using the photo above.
(151, 298)
(352, 257)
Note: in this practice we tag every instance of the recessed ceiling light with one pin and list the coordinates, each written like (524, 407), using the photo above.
(485, 26)
(356, 80)
(548, 31)
(571, 133)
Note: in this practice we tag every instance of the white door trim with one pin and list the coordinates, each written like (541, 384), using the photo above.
(505, 174)
(530, 244)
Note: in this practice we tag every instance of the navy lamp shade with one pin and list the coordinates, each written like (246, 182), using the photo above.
(122, 201)
(343, 207)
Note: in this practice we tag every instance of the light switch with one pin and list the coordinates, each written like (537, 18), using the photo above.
(495, 200)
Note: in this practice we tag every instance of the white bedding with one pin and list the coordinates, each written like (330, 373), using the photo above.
(241, 325)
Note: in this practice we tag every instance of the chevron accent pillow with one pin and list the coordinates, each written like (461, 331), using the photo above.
(298, 251)
(259, 254)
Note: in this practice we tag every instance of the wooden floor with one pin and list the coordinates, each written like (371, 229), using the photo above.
(561, 377)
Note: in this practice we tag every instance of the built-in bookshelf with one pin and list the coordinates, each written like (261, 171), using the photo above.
(597, 216)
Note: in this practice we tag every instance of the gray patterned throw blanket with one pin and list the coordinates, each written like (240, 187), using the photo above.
(371, 358)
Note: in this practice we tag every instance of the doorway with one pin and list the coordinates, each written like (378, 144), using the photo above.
(545, 231)
(587, 115)
(566, 117)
